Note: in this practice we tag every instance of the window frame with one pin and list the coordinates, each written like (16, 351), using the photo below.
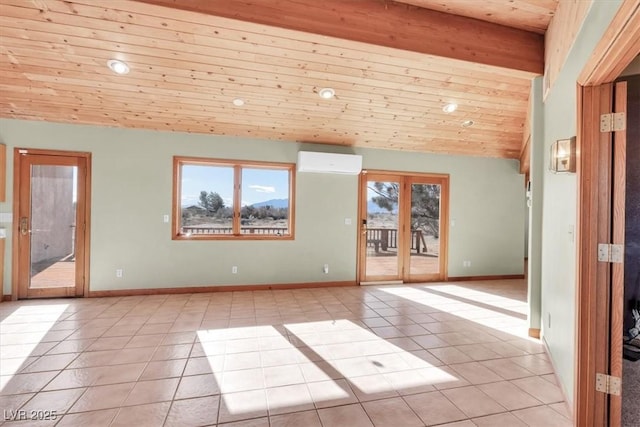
(238, 166)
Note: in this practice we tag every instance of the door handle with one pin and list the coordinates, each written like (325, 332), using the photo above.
(24, 225)
(364, 226)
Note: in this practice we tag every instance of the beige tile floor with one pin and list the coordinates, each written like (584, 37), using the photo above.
(452, 354)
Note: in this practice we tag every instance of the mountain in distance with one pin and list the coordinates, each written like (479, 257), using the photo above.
(372, 208)
(274, 203)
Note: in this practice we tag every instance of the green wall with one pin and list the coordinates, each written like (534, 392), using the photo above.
(132, 190)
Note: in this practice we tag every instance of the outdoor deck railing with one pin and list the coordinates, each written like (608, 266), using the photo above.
(199, 229)
(378, 238)
(387, 238)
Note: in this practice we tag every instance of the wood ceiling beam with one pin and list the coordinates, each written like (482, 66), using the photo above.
(388, 24)
(525, 158)
(525, 152)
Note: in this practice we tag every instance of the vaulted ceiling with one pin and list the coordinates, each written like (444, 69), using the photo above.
(393, 66)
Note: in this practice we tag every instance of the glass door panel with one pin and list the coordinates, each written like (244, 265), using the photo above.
(424, 251)
(53, 226)
(403, 227)
(381, 229)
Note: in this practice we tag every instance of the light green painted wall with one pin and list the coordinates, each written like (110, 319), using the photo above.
(537, 167)
(560, 201)
(132, 190)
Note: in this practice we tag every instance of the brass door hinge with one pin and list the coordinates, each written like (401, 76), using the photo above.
(608, 384)
(610, 253)
(613, 122)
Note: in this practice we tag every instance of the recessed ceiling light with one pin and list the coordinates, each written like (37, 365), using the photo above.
(238, 102)
(326, 93)
(117, 66)
(450, 108)
(467, 123)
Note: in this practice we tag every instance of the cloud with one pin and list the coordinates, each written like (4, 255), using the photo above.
(263, 188)
(190, 197)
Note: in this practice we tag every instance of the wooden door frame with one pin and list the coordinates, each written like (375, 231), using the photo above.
(444, 217)
(16, 213)
(617, 48)
(618, 201)
(443, 181)
(362, 212)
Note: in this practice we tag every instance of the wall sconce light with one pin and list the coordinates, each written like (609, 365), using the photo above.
(563, 156)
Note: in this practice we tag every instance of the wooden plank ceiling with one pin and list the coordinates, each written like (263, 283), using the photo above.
(529, 15)
(187, 67)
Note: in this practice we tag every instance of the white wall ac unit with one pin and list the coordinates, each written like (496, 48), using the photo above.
(346, 164)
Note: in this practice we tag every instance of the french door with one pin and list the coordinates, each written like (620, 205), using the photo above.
(403, 227)
(51, 217)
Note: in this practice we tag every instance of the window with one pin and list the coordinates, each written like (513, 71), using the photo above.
(223, 199)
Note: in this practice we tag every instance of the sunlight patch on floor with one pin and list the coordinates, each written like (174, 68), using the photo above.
(20, 334)
(301, 363)
(370, 362)
(498, 319)
(498, 301)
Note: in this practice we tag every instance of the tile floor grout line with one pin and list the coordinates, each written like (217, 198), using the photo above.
(335, 307)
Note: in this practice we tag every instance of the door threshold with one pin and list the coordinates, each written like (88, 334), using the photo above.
(382, 282)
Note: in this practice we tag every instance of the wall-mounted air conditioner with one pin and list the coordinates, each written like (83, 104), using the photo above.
(347, 164)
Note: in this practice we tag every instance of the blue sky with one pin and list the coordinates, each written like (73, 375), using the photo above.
(258, 185)
(372, 206)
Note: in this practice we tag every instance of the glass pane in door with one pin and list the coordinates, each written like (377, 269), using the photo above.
(425, 229)
(382, 229)
(53, 226)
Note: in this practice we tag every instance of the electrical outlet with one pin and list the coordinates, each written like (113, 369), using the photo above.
(234, 269)
(119, 273)
(347, 221)
(165, 219)
(325, 269)
(466, 264)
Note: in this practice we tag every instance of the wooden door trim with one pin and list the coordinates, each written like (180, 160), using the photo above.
(617, 48)
(404, 173)
(362, 252)
(444, 224)
(618, 237)
(594, 195)
(86, 158)
(408, 178)
(443, 181)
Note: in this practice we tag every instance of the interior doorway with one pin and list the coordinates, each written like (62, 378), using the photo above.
(51, 207)
(599, 283)
(403, 227)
